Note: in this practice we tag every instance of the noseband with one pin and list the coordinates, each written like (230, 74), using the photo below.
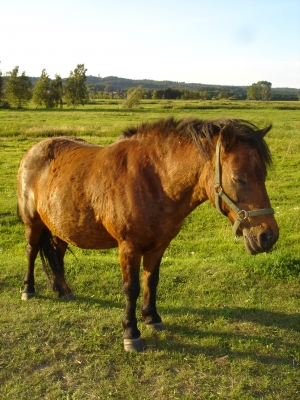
(241, 214)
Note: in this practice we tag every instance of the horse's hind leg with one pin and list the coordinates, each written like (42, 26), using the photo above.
(36, 236)
(59, 282)
(151, 262)
(32, 248)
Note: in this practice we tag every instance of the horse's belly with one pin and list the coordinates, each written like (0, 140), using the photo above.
(80, 231)
(96, 243)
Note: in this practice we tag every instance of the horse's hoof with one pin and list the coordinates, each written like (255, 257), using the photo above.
(157, 326)
(134, 345)
(67, 297)
(27, 296)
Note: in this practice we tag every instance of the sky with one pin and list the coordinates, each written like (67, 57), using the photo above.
(222, 42)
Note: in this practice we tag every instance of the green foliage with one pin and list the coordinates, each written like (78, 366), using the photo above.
(18, 88)
(167, 93)
(133, 97)
(75, 89)
(48, 92)
(56, 89)
(108, 89)
(260, 91)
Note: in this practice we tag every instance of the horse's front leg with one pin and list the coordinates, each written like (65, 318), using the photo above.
(151, 263)
(130, 260)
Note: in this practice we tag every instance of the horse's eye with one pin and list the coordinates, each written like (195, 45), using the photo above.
(240, 181)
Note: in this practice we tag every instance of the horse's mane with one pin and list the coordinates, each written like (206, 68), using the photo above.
(193, 129)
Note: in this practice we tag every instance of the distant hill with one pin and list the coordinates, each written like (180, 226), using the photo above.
(117, 84)
(123, 84)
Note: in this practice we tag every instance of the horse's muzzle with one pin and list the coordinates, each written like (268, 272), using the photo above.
(259, 241)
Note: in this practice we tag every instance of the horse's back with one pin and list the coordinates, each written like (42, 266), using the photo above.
(51, 148)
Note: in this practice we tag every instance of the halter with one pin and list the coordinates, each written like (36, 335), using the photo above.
(241, 214)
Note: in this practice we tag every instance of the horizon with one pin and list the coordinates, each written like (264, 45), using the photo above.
(233, 43)
(168, 80)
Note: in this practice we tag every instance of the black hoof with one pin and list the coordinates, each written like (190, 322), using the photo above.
(67, 297)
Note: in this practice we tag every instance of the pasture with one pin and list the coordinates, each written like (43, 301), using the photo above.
(233, 320)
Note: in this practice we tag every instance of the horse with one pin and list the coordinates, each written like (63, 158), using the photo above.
(135, 193)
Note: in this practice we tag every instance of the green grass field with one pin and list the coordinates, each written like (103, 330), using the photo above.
(233, 319)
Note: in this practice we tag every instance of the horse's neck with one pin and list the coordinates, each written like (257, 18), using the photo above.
(185, 171)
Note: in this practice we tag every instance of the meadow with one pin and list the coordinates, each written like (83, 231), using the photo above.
(233, 320)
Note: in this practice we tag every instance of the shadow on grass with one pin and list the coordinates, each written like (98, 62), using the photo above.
(223, 340)
(100, 303)
(239, 342)
(228, 345)
(254, 315)
(222, 350)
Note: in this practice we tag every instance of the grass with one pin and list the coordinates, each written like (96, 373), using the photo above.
(233, 319)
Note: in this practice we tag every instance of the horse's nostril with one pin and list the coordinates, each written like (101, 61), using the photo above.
(265, 240)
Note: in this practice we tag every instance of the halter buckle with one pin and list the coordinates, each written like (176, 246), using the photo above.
(218, 189)
(246, 214)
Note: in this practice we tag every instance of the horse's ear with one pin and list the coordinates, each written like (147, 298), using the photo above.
(265, 130)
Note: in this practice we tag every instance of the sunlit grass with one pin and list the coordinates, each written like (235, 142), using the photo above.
(232, 319)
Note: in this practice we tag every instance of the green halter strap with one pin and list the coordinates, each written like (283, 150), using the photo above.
(241, 214)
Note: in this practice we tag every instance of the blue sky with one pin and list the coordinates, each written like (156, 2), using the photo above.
(226, 42)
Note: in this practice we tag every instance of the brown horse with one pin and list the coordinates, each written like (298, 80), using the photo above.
(135, 193)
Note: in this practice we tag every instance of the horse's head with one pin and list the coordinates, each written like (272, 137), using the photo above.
(240, 193)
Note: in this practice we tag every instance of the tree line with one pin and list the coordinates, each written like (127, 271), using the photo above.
(110, 86)
(16, 90)
(261, 91)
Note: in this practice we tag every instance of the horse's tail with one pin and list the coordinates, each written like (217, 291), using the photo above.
(52, 261)
(19, 214)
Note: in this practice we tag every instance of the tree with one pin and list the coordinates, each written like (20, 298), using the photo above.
(56, 88)
(260, 91)
(167, 93)
(48, 92)
(133, 97)
(75, 89)
(41, 92)
(265, 90)
(222, 95)
(18, 88)
(108, 89)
